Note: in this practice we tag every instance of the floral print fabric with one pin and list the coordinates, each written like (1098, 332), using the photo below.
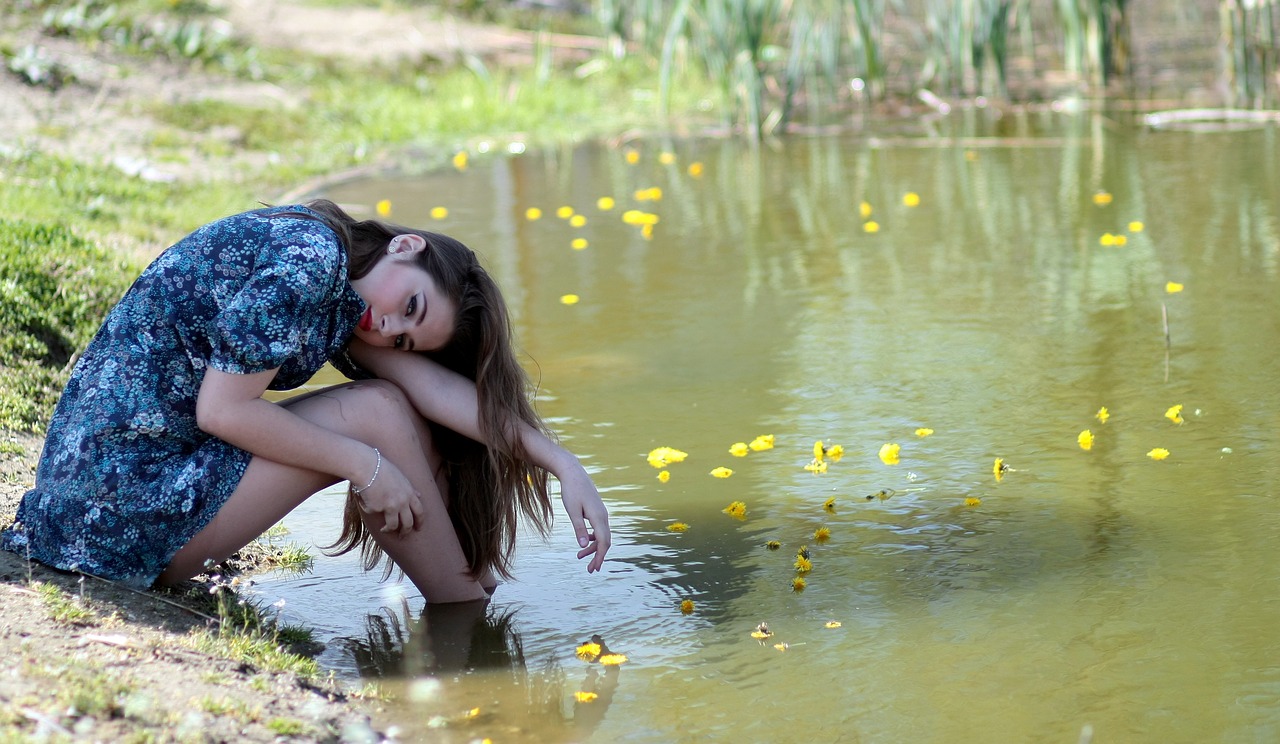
(127, 478)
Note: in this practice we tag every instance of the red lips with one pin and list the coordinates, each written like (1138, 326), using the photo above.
(366, 320)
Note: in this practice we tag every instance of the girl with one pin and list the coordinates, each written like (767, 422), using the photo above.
(162, 453)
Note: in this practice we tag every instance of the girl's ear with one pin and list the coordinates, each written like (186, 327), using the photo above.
(406, 243)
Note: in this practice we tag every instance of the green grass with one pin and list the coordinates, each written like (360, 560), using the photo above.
(64, 609)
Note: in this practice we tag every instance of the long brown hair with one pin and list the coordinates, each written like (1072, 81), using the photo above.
(489, 481)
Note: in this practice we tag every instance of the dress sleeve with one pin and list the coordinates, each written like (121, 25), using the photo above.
(295, 276)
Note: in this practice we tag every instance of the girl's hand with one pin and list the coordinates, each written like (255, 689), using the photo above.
(392, 497)
(583, 504)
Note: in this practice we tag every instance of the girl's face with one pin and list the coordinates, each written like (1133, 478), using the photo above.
(406, 309)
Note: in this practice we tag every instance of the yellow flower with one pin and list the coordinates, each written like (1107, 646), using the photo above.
(1102, 198)
(604, 203)
(822, 534)
(569, 299)
(1135, 227)
(439, 213)
(584, 697)
(663, 456)
(762, 442)
(911, 199)
(533, 213)
(1173, 287)
(578, 244)
(739, 449)
(773, 545)
(1121, 240)
(667, 158)
(695, 170)
(646, 232)
(664, 476)
(803, 551)
(798, 584)
(761, 632)
(871, 226)
(1107, 239)
(923, 432)
(973, 501)
(653, 193)
(678, 527)
(460, 160)
(473, 713)
(613, 659)
(1174, 414)
(835, 452)
(686, 607)
(818, 451)
(1085, 439)
(782, 646)
(803, 565)
(1103, 414)
(589, 651)
(830, 505)
(633, 157)
(999, 468)
(722, 472)
(889, 453)
(737, 510)
(1159, 453)
(832, 624)
(384, 208)
(864, 209)
(578, 220)
(816, 466)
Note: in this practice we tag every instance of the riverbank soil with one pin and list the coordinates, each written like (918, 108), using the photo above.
(87, 659)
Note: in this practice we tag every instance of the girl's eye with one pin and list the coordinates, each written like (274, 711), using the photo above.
(413, 307)
(399, 342)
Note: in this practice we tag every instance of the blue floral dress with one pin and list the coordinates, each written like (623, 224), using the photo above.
(126, 477)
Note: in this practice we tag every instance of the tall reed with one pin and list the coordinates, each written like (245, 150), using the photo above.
(1249, 49)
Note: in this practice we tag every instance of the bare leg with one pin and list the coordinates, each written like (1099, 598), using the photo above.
(374, 412)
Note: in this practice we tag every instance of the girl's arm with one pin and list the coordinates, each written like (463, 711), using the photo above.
(449, 399)
(231, 408)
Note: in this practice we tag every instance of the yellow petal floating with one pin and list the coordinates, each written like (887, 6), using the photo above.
(821, 535)
(871, 226)
(911, 199)
(803, 565)
(889, 453)
(439, 213)
(564, 212)
(835, 452)
(1120, 240)
(864, 209)
(830, 505)
(816, 467)
(584, 697)
(999, 468)
(722, 472)
(832, 624)
(604, 203)
(533, 213)
(678, 527)
(1085, 439)
(578, 220)
(653, 193)
(1102, 198)
(761, 632)
(1173, 287)
(667, 158)
(695, 170)
(578, 244)
(818, 451)
(737, 510)
(613, 659)
(1107, 239)
(663, 456)
(782, 646)
(569, 299)
(1159, 453)
(589, 651)
(798, 584)
(1103, 414)
(632, 157)
(762, 442)
(803, 551)
(664, 476)
(739, 449)
(773, 545)
(973, 501)
(460, 160)
(1174, 414)
(686, 607)
(1135, 227)
(923, 432)
(383, 207)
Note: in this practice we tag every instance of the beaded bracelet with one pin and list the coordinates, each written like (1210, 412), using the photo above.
(376, 468)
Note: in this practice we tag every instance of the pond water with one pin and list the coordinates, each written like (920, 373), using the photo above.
(1097, 589)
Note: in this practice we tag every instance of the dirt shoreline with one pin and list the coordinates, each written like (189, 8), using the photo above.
(88, 659)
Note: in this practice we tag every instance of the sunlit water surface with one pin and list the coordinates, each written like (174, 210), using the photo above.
(1096, 588)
